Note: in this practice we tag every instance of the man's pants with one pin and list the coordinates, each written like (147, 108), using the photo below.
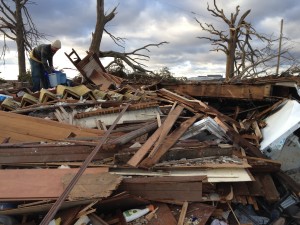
(38, 76)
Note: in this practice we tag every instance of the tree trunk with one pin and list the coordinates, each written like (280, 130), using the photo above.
(20, 38)
(231, 55)
(99, 28)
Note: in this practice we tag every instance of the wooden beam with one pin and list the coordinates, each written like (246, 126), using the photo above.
(183, 213)
(166, 127)
(169, 142)
(26, 128)
(271, 193)
(159, 191)
(237, 91)
(31, 184)
(141, 153)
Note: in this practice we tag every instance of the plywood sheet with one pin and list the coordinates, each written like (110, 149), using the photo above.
(93, 185)
(36, 183)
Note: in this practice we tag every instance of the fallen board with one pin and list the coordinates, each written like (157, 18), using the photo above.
(22, 128)
(34, 184)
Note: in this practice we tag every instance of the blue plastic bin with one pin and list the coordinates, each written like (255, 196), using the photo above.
(57, 78)
(62, 78)
(3, 97)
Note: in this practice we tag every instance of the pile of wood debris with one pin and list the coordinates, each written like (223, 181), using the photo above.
(86, 154)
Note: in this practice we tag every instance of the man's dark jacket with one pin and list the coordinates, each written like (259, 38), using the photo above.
(44, 54)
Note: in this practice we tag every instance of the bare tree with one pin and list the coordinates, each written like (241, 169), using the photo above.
(133, 58)
(17, 25)
(236, 41)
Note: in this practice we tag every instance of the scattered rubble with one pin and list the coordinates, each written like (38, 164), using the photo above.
(200, 153)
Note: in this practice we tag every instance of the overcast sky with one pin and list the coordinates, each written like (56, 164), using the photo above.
(143, 22)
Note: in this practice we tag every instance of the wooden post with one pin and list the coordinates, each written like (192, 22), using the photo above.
(279, 50)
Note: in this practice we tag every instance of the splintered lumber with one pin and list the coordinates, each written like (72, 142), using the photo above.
(133, 134)
(256, 188)
(236, 91)
(178, 153)
(165, 188)
(123, 200)
(183, 213)
(44, 153)
(141, 153)
(44, 206)
(262, 164)
(188, 152)
(93, 185)
(166, 127)
(22, 128)
(271, 193)
(200, 212)
(274, 106)
(164, 216)
(34, 184)
(117, 109)
(68, 216)
(257, 130)
(239, 140)
(169, 142)
(196, 106)
(292, 184)
(49, 216)
(157, 137)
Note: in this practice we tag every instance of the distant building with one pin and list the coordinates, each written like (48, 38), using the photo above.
(207, 77)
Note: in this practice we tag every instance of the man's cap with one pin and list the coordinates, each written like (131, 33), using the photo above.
(56, 44)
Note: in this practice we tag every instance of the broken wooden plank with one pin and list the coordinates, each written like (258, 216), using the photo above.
(156, 191)
(169, 142)
(43, 207)
(26, 128)
(45, 153)
(183, 213)
(256, 188)
(92, 185)
(271, 193)
(164, 216)
(68, 216)
(292, 184)
(187, 152)
(133, 134)
(164, 179)
(34, 184)
(49, 216)
(141, 153)
(236, 91)
(196, 106)
(257, 130)
(166, 127)
(199, 212)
